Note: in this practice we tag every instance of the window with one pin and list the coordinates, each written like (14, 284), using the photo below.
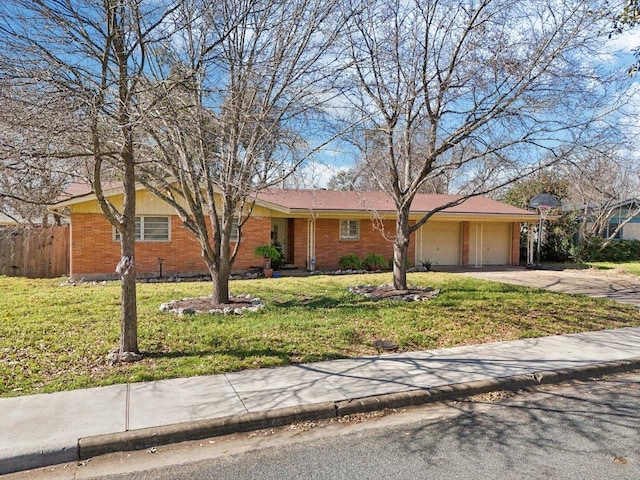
(349, 229)
(149, 229)
(234, 230)
(611, 227)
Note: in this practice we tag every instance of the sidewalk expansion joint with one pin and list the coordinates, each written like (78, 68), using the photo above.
(236, 392)
(199, 429)
(127, 407)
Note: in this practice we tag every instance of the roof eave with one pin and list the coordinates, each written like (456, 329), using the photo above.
(318, 213)
(91, 196)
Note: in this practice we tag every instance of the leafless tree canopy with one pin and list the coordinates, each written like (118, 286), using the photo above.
(34, 167)
(490, 89)
(83, 63)
(245, 81)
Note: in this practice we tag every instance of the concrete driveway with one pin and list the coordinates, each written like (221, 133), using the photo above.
(621, 287)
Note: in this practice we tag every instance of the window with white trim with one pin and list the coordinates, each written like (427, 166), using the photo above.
(234, 230)
(349, 229)
(149, 229)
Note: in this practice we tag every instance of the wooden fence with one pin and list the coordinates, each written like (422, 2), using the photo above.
(34, 252)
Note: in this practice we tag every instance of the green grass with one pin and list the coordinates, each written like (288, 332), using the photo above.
(629, 267)
(55, 337)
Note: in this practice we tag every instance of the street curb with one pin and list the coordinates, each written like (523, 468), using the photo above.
(154, 436)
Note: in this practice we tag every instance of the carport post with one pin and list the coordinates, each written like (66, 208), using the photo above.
(538, 249)
(530, 243)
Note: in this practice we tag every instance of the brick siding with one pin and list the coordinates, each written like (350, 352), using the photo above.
(94, 253)
(375, 237)
(515, 244)
(465, 243)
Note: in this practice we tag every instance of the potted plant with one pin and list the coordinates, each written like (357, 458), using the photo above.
(270, 254)
(276, 263)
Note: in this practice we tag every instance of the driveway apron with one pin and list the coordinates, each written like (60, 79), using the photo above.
(623, 288)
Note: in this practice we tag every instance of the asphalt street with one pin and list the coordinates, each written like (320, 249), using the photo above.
(585, 430)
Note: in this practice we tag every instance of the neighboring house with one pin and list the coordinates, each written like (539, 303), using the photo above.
(624, 221)
(315, 227)
(617, 221)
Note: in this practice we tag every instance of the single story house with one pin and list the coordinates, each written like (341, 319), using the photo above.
(315, 227)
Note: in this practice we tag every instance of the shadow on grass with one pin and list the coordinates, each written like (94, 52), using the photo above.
(468, 289)
(286, 358)
(314, 303)
(326, 302)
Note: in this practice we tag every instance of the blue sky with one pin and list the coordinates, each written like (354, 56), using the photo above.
(616, 53)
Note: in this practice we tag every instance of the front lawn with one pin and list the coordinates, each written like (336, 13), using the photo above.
(55, 337)
(629, 267)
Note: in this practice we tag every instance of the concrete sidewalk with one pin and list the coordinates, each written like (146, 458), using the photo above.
(39, 430)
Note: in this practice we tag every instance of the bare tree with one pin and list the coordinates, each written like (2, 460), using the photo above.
(246, 81)
(365, 175)
(603, 187)
(90, 56)
(626, 18)
(30, 177)
(489, 89)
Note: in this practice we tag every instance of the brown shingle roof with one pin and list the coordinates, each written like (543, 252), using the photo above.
(304, 201)
(347, 201)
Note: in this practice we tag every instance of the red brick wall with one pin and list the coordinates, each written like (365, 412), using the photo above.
(515, 244)
(300, 242)
(94, 254)
(465, 243)
(256, 232)
(330, 248)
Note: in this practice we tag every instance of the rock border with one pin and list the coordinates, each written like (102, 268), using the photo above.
(255, 305)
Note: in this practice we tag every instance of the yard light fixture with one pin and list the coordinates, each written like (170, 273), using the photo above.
(160, 262)
(543, 202)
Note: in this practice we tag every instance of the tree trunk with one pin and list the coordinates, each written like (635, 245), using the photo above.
(129, 309)
(400, 250)
(221, 269)
(220, 279)
(127, 268)
(220, 291)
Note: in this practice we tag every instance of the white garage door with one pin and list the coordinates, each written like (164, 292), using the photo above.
(439, 242)
(489, 244)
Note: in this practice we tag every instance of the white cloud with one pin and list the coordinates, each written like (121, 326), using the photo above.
(625, 42)
(315, 175)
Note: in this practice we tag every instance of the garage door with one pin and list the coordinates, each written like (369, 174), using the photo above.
(440, 243)
(489, 244)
